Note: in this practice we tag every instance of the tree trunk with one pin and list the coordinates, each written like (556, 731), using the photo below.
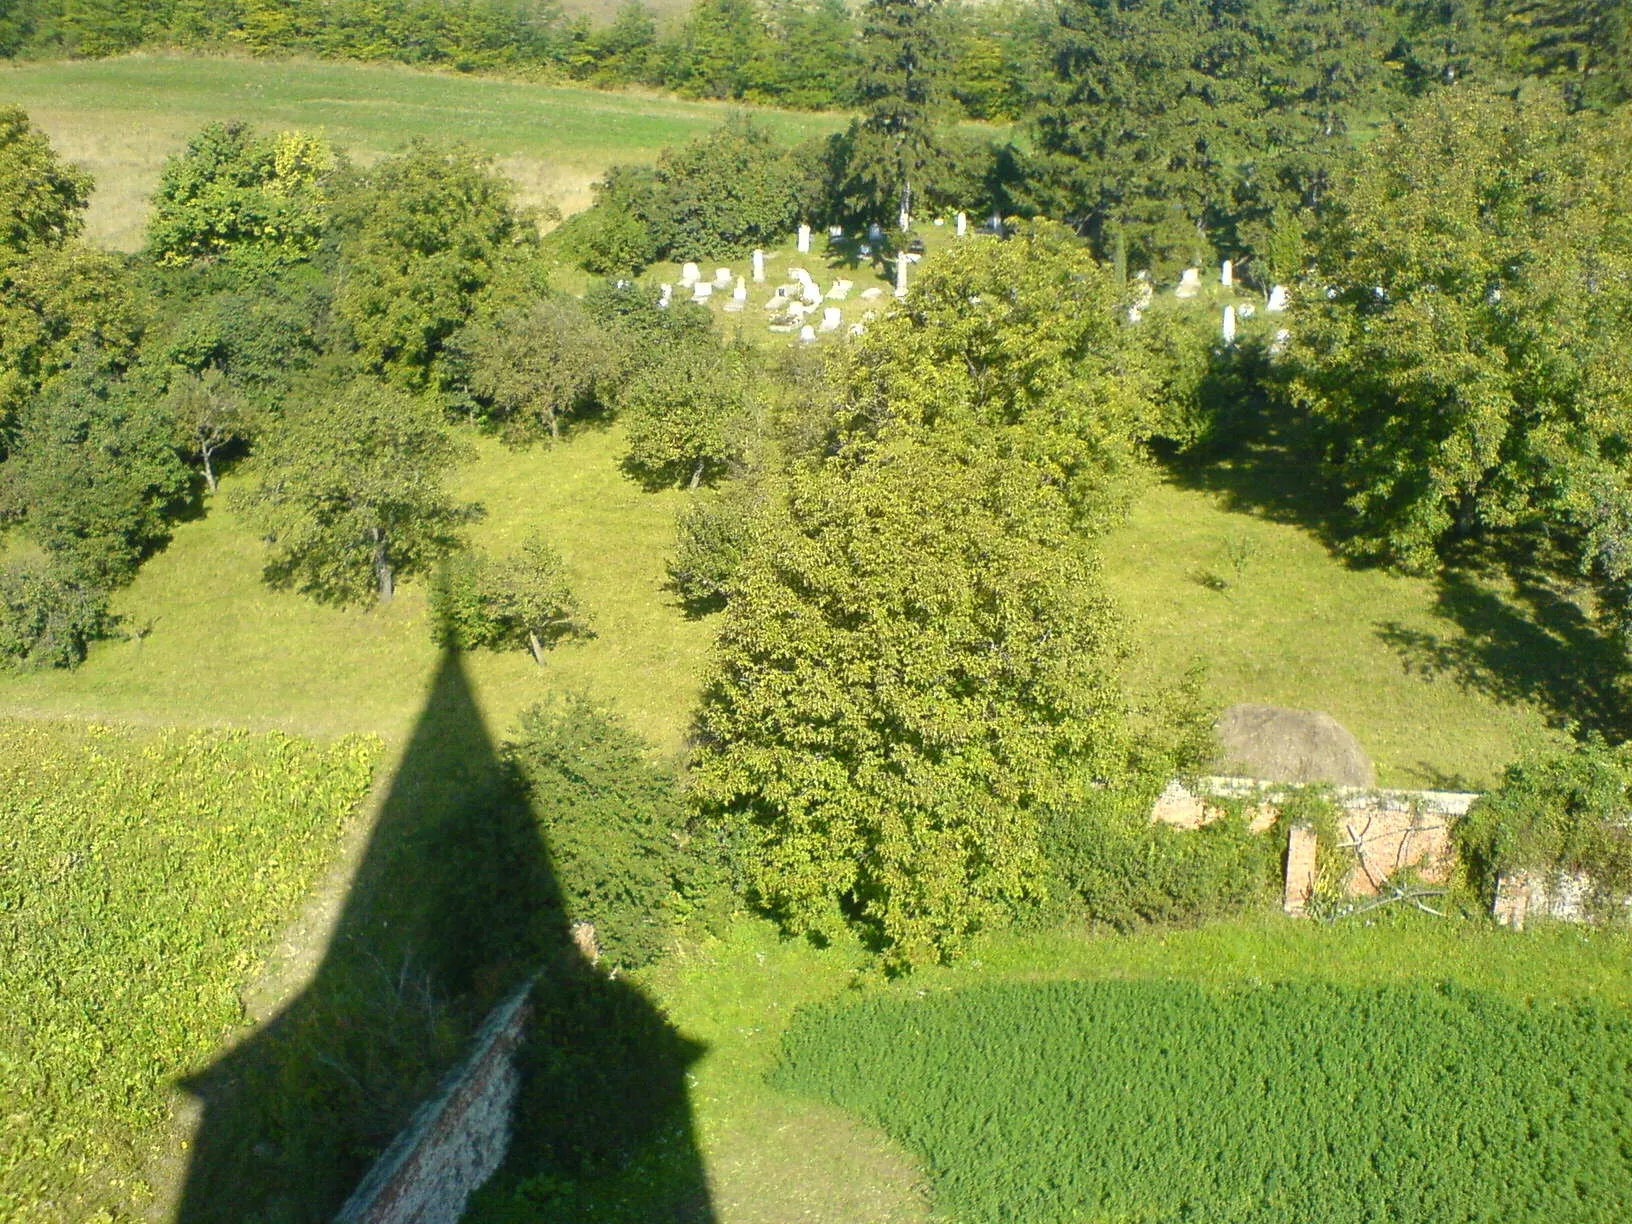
(697, 474)
(536, 646)
(209, 471)
(382, 567)
(554, 420)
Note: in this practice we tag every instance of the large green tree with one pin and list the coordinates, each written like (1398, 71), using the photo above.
(686, 412)
(42, 198)
(422, 235)
(351, 493)
(918, 660)
(1020, 345)
(1464, 344)
(888, 151)
(531, 367)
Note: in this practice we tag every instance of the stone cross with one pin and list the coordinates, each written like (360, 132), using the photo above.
(759, 267)
(804, 240)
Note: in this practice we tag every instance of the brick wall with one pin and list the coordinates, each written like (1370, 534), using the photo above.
(456, 1141)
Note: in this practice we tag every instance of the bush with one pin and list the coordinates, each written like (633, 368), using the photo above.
(1160, 1101)
(712, 539)
(48, 614)
(614, 826)
(1554, 813)
(145, 876)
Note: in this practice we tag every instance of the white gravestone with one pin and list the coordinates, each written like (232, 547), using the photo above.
(664, 294)
(1229, 325)
(1277, 299)
(740, 293)
(722, 278)
(831, 319)
(804, 240)
(963, 224)
(807, 333)
(1189, 283)
(835, 231)
(1226, 274)
(840, 291)
(875, 232)
(702, 291)
(1246, 310)
(759, 267)
(871, 294)
(689, 275)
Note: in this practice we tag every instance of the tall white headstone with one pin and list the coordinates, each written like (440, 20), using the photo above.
(1226, 273)
(804, 240)
(963, 224)
(759, 267)
(1229, 325)
(740, 293)
(1277, 299)
(901, 274)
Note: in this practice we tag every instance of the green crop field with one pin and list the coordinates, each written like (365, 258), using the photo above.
(1159, 1101)
(120, 118)
(143, 878)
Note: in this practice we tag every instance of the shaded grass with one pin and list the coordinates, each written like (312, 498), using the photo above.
(120, 118)
(209, 643)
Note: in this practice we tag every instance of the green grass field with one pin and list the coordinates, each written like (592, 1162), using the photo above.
(120, 118)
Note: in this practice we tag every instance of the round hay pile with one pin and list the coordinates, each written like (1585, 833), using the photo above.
(1277, 745)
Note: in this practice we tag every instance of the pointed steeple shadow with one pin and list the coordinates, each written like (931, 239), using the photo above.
(453, 905)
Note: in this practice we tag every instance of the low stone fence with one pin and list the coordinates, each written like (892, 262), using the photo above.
(1385, 831)
(457, 1140)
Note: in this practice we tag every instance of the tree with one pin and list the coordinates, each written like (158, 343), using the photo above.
(1462, 345)
(891, 146)
(521, 600)
(1021, 345)
(210, 414)
(685, 412)
(533, 366)
(912, 669)
(42, 198)
(257, 202)
(422, 236)
(351, 494)
(724, 193)
(95, 471)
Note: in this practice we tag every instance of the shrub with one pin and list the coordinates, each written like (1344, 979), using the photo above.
(1557, 812)
(1159, 1101)
(712, 539)
(614, 826)
(48, 614)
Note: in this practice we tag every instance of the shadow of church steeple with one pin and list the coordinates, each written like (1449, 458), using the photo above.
(453, 904)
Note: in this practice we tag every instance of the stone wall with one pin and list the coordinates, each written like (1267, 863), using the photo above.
(457, 1140)
(1384, 831)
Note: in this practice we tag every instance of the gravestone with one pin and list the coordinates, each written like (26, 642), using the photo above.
(871, 293)
(1245, 311)
(835, 232)
(840, 291)
(1277, 299)
(804, 240)
(1278, 345)
(759, 267)
(1226, 274)
(665, 292)
(963, 225)
(722, 278)
(1229, 325)
(689, 275)
(1189, 283)
(831, 319)
(807, 334)
(702, 291)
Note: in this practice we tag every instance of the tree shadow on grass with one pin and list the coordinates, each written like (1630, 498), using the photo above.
(454, 904)
(1538, 647)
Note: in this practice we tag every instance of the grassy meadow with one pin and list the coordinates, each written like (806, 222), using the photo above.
(120, 118)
